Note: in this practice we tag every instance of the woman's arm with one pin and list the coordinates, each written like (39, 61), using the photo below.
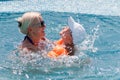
(66, 35)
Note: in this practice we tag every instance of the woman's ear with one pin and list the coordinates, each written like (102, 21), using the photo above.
(29, 29)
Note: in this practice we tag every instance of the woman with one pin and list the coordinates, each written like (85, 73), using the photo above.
(32, 25)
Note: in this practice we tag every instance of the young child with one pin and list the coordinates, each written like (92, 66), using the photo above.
(64, 46)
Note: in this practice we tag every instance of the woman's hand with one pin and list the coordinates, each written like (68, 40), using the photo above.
(66, 35)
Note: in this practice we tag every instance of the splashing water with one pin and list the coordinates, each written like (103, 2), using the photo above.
(88, 43)
(39, 61)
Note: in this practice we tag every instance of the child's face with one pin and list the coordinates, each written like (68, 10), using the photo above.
(66, 35)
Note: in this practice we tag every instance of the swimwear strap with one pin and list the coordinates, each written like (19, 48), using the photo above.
(29, 39)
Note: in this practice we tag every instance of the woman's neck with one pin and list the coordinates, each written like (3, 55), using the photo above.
(33, 41)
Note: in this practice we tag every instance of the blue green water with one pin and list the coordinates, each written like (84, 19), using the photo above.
(102, 45)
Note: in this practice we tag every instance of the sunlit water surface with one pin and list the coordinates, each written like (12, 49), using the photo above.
(97, 57)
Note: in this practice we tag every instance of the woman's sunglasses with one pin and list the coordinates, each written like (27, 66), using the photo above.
(19, 24)
(41, 24)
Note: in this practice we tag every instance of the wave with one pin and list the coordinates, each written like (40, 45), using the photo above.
(99, 7)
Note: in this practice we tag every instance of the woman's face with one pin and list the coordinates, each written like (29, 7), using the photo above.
(37, 33)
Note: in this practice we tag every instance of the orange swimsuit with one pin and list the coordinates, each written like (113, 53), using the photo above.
(58, 50)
